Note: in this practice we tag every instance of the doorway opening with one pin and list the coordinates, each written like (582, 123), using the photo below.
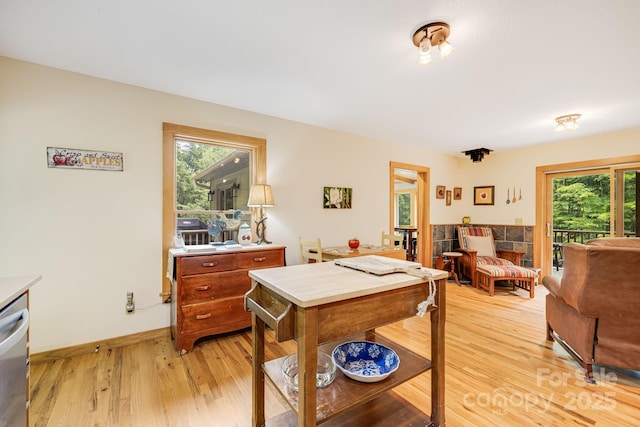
(409, 210)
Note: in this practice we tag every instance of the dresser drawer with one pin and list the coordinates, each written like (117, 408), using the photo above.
(207, 264)
(208, 287)
(261, 259)
(214, 314)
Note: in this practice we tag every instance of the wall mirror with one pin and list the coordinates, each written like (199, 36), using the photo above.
(207, 176)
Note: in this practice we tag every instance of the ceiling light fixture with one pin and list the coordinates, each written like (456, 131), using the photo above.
(568, 122)
(478, 154)
(434, 34)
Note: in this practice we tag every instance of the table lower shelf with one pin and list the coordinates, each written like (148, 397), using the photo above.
(389, 409)
(349, 397)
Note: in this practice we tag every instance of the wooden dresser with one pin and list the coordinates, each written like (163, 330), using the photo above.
(207, 292)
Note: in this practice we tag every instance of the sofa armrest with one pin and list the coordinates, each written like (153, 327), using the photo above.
(552, 284)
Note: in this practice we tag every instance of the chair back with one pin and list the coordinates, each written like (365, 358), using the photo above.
(310, 250)
(391, 240)
(468, 239)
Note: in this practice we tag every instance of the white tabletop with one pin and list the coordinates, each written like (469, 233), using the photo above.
(12, 287)
(309, 285)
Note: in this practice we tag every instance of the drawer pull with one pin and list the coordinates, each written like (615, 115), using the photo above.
(210, 264)
(260, 259)
(203, 316)
(203, 288)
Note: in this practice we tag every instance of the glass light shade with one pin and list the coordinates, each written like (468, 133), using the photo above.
(260, 196)
(560, 127)
(425, 52)
(571, 124)
(445, 49)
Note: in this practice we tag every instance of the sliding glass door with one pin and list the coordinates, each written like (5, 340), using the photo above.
(576, 202)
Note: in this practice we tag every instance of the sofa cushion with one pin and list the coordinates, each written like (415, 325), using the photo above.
(492, 260)
(482, 244)
(510, 271)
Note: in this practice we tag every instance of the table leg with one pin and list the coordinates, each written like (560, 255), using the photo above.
(257, 389)
(453, 271)
(438, 317)
(307, 337)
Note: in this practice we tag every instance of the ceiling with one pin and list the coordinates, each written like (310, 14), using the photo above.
(352, 66)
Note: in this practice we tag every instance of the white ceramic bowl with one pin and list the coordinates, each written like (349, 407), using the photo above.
(325, 370)
(365, 361)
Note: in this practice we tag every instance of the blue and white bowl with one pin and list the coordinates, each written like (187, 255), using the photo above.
(365, 361)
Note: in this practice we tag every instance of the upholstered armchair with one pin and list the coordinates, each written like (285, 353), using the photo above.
(478, 248)
(592, 312)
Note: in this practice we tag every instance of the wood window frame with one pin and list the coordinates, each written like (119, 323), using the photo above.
(170, 132)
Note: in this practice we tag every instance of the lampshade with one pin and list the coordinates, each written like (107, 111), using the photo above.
(445, 49)
(260, 196)
(425, 52)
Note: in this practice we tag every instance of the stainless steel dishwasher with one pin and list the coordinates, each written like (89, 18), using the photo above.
(14, 323)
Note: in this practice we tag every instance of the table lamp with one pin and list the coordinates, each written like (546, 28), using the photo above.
(260, 196)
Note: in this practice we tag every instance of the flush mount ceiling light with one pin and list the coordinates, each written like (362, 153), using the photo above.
(478, 154)
(434, 34)
(568, 122)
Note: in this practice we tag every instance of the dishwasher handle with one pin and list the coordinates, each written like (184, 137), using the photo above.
(21, 317)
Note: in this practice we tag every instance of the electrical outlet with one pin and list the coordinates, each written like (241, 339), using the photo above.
(131, 306)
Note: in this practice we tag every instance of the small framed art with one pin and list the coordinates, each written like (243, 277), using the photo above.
(484, 195)
(448, 202)
(457, 193)
(440, 189)
(337, 197)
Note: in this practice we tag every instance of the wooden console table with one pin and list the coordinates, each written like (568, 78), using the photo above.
(325, 304)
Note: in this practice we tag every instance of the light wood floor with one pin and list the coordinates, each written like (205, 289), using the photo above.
(500, 371)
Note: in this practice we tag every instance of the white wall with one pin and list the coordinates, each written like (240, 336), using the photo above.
(518, 168)
(95, 235)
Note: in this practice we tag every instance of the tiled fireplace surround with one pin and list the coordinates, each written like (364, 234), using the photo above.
(507, 237)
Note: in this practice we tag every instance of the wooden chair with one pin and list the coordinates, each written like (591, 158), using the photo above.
(310, 250)
(391, 240)
(478, 248)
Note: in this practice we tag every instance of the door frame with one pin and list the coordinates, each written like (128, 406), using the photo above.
(542, 234)
(424, 236)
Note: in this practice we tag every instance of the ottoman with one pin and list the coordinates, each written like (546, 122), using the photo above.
(521, 277)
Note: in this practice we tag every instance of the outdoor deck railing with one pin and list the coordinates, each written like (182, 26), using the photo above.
(202, 237)
(195, 237)
(582, 236)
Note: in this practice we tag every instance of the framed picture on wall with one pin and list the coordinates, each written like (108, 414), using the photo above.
(448, 198)
(484, 195)
(337, 197)
(457, 193)
(440, 189)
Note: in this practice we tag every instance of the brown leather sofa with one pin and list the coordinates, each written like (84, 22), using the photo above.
(594, 311)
